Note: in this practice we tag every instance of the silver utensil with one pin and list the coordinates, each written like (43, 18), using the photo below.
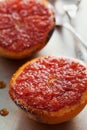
(71, 7)
(61, 7)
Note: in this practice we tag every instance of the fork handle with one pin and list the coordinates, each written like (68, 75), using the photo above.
(71, 29)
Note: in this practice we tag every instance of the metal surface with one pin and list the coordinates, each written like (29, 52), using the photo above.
(61, 43)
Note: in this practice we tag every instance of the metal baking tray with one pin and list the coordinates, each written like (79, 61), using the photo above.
(60, 44)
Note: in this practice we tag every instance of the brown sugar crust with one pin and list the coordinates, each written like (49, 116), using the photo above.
(48, 110)
(25, 27)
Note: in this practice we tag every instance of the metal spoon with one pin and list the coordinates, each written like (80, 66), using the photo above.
(71, 7)
(62, 22)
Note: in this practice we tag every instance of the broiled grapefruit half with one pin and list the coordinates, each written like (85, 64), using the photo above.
(50, 90)
(25, 27)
